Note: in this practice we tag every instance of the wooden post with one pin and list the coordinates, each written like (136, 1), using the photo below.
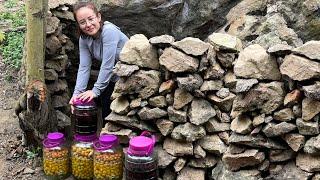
(35, 112)
(35, 12)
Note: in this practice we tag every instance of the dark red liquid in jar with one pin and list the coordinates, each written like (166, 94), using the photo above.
(86, 120)
(136, 169)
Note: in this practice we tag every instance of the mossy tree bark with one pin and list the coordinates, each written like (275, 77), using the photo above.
(34, 109)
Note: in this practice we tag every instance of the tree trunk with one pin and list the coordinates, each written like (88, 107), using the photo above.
(34, 109)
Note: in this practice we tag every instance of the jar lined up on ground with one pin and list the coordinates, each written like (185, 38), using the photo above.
(108, 158)
(82, 156)
(141, 162)
(55, 156)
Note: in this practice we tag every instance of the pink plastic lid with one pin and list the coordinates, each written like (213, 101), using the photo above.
(141, 145)
(78, 102)
(106, 141)
(53, 139)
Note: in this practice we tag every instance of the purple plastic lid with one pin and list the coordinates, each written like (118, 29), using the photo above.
(106, 141)
(53, 139)
(85, 138)
(78, 102)
(141, 145)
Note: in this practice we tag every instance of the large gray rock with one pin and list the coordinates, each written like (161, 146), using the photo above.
(200, 111)
(309, 49)
(151, 114)
(188, 132)
(257, 141)
(272, 129)
(265, 97)
(177, 115)
(120, 105)
(145, 83)
(308, 162)
(250, 157)
(254, 62)
(190, 83)
(138, 51)
(312, 146)
(307, 128)
(192, 46)
(176, 61)
(300, 68)
(225, 42)
(213, 125)
(164, 158)
(181, 98)
(213, 144)
(310, 108)
(241, 124)
(121, 69)
(295, 141)
(165, 126)
(176, 148)
(312, 91)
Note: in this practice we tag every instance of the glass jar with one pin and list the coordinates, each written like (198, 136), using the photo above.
(141, 162)
(55, 156)
(85, 117)
(82, 156)
(108, 158)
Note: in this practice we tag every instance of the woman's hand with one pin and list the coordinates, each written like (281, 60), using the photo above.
(86, 96)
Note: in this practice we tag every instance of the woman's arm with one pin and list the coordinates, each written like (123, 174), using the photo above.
(110, 39)
(84, 68)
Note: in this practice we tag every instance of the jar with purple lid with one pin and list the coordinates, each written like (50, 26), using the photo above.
(82, 156)
(55, 156)
(108, 158)
(141, 162)
(85, 117)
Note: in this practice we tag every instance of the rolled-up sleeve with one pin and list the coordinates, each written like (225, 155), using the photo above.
(110, 39)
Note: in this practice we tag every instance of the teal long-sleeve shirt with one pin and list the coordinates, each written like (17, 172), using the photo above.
(106, 48)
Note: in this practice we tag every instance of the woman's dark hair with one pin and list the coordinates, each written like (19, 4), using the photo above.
(89, 5)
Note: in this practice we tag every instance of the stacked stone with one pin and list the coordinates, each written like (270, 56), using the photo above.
(220, 111)
(58, 46)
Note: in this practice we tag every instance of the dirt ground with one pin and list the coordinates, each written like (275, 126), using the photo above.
(14, 161)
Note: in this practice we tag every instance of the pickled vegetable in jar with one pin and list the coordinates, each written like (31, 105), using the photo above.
(82, 156)
(141, 162)
(55, 156)
(108, 158)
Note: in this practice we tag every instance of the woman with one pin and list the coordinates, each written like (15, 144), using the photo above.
(100, 41)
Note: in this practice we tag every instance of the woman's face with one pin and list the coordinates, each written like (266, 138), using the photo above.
(88, 20)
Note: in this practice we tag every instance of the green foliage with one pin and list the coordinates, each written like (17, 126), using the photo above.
(16, 19)
(12, 49)
(10, 3)
(33, 152)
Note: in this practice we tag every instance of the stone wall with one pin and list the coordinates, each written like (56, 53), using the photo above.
(219, 111)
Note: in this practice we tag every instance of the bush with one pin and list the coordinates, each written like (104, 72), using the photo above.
(12, 49)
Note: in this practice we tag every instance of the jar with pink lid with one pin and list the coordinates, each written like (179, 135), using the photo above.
(82, 156)
(55, 156)
(107, 158)
(141, 161)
